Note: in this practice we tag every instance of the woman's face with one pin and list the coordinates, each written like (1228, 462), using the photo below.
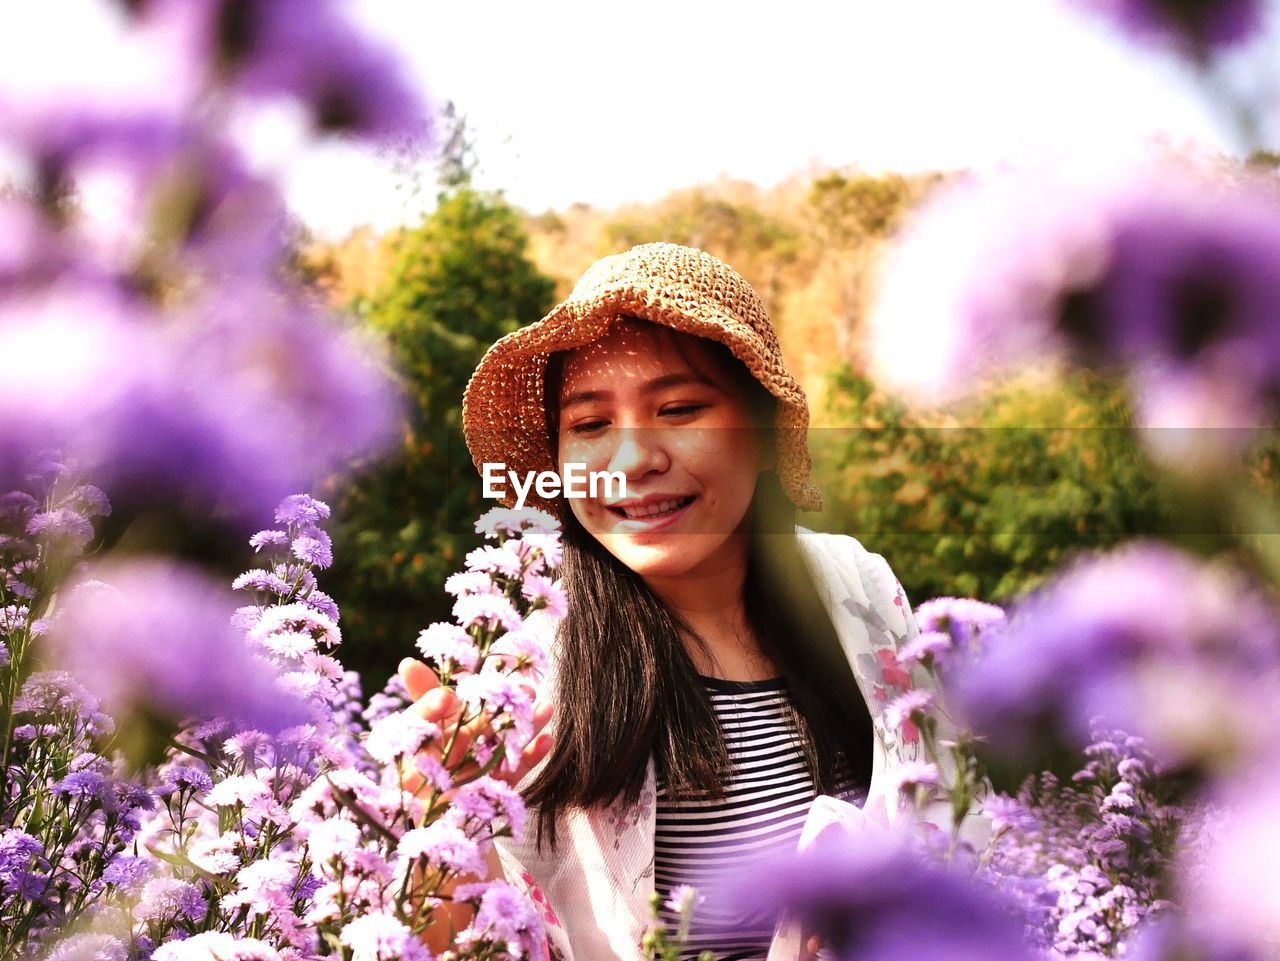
(666, 411)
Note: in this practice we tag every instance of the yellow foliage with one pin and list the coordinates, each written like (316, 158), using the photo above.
(808, 245)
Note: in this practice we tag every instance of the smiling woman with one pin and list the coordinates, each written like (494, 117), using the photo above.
(719, 667)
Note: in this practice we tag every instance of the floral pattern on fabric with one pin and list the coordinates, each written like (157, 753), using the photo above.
(537, 897)
(882, 674)
(622, 817)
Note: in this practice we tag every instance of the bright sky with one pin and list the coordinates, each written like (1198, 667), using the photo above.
(582, 100)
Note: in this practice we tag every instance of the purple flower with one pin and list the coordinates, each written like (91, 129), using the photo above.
(183, 778)
(213, 408)
(66, 529)
(88, 947)
(301, 510)
(126, 871)
(269, 538)
(924, 648)
(381, 937)
(869, 898)
(495, 560)
(1146, 639)
(17, 850)
(904, 708)
(314, 548)
(504, 916)
(449, 647)
(56, 695)
(682, 900)
(964, 620)
(87, 785)
(1199, 25)
(160, 635)
(1231, 884)
(487, 611)
(397, 736)
(171, 898)
(1163, 271)
(470, 582)
(545, 594)
(442, 844)
(322, 603)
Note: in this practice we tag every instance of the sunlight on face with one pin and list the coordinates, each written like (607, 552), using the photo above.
(667, 411)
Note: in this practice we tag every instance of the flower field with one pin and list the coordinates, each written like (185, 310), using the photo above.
(189, 773)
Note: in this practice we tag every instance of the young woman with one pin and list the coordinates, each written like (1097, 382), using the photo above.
(719, 667)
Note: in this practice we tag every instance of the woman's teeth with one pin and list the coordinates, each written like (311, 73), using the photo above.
(655, 510)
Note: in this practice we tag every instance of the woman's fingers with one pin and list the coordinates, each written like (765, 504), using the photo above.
(417, 677)
(442, 707)
(542, 713)
(532, 755)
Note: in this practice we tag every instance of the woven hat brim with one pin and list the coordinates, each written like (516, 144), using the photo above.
(502, 411)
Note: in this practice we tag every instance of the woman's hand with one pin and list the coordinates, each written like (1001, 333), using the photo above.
(441, 706)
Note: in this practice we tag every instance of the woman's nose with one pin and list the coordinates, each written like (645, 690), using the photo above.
(640, 451)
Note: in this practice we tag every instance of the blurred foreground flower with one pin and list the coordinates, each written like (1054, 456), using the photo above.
(1198, 27)
(1162, 272)
(160, 340)
(873, 897)
(1144, 639)
(155, 635)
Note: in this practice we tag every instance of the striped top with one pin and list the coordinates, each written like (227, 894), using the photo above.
(767, 798)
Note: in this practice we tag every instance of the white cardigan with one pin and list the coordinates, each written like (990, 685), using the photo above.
(594, 886)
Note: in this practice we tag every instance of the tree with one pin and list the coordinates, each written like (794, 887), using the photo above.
(459, 281)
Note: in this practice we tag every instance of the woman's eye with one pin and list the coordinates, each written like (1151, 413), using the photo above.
(682, 409)
(587, 427)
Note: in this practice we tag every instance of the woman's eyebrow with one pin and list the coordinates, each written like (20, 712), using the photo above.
(656, 385)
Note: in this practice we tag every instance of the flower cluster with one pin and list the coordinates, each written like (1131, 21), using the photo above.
(341, 829)
(1182, 653)
(1089, 858)
(157, 336)
(68, 815)
(1164, 271)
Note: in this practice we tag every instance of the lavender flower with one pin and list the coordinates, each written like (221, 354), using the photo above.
(506, 919)
(268, 538)
(64, 528)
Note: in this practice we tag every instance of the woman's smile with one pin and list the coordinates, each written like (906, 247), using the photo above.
(652, 513)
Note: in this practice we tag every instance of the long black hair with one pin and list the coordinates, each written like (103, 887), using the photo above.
(628, 689)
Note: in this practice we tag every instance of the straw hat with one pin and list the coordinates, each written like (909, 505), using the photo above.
(680, 287)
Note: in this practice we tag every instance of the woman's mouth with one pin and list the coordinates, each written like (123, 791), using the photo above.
(654, 512)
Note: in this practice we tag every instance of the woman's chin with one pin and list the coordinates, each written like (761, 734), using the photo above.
(671, 557)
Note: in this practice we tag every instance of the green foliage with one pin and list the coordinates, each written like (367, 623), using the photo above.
(986, 511)
(460, 280)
